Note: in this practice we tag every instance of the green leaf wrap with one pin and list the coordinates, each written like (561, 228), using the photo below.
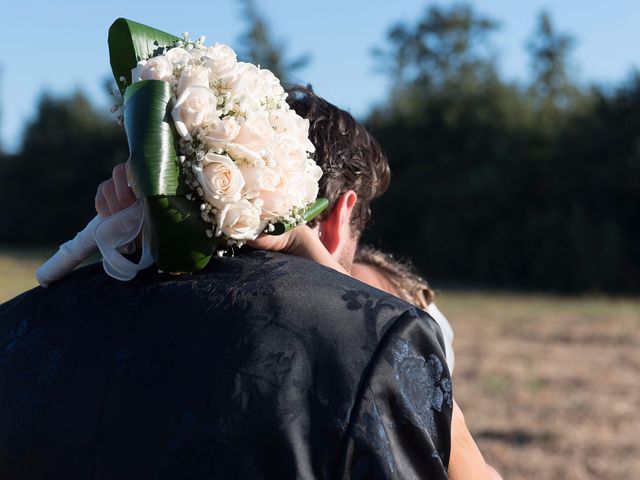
(179, 242)
(309, 213)
(130, 42)
(153, 161)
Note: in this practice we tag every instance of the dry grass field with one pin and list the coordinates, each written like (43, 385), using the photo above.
(17, 269)
(550, 386)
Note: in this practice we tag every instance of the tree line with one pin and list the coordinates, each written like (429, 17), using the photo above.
(495, 182)
(527, 186)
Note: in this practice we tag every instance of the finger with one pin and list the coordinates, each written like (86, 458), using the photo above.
(109, 193)
(101, 204)
(279, 243)
(260, 243)
(124, 194)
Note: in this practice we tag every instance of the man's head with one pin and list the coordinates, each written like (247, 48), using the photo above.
(355, 171)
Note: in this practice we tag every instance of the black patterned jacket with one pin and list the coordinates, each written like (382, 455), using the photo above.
(262, 366)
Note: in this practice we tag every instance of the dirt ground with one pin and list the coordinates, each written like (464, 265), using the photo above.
(550, 386)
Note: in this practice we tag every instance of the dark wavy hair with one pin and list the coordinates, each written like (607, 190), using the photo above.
(349, 156)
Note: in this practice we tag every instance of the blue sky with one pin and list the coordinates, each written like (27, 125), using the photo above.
(60, 46)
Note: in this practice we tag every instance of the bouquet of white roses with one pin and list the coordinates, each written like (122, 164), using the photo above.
(244, 153)
(215, 151)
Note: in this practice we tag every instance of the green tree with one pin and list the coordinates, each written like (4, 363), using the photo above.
(259, 46)
(490, 187)
(1, 115)
(552, 86)
(453, 131)
(49, 186)
(446, 49)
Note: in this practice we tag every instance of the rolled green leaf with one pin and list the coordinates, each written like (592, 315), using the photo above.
(179, 243)
(153, 161)
(309, 213)
(130, 42)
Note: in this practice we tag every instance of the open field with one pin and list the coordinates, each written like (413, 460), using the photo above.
(550, 386)
(17, 269)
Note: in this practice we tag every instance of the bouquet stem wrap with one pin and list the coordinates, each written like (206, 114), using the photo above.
(178, 240)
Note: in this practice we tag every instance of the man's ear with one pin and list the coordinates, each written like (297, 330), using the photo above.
(335, 229)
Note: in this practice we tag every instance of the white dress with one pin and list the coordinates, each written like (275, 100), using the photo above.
(447, 333)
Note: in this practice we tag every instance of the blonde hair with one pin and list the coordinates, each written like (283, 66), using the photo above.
(401, 274)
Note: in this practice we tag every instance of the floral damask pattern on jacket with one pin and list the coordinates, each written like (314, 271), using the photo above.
(423, 386)
(375, 456)
(372, 308)
(400, 425)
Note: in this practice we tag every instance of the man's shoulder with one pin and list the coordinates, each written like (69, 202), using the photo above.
(305, 286)
(299, 282)
(294, 283)
(238, 294)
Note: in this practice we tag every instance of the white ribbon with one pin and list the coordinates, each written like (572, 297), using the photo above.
(110, 235)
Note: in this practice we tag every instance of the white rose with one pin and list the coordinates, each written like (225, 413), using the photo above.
(259, 178)
(256, 132)
(220, 179)
(276, 202)
(244, 155)
(157, 68)
(310, 180)
(290, 155)
(313, 170)
(266, 186)
(291, 123)
(220, 59)
(301, 190)
(198, 53)
(278, 193)
(192, 109)
(232, 76)
(274, 88)
(219, 132)
(311, 189)
(179, 57)
(248, 90)
(240, 221)
(136, 72)
(193, 76)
